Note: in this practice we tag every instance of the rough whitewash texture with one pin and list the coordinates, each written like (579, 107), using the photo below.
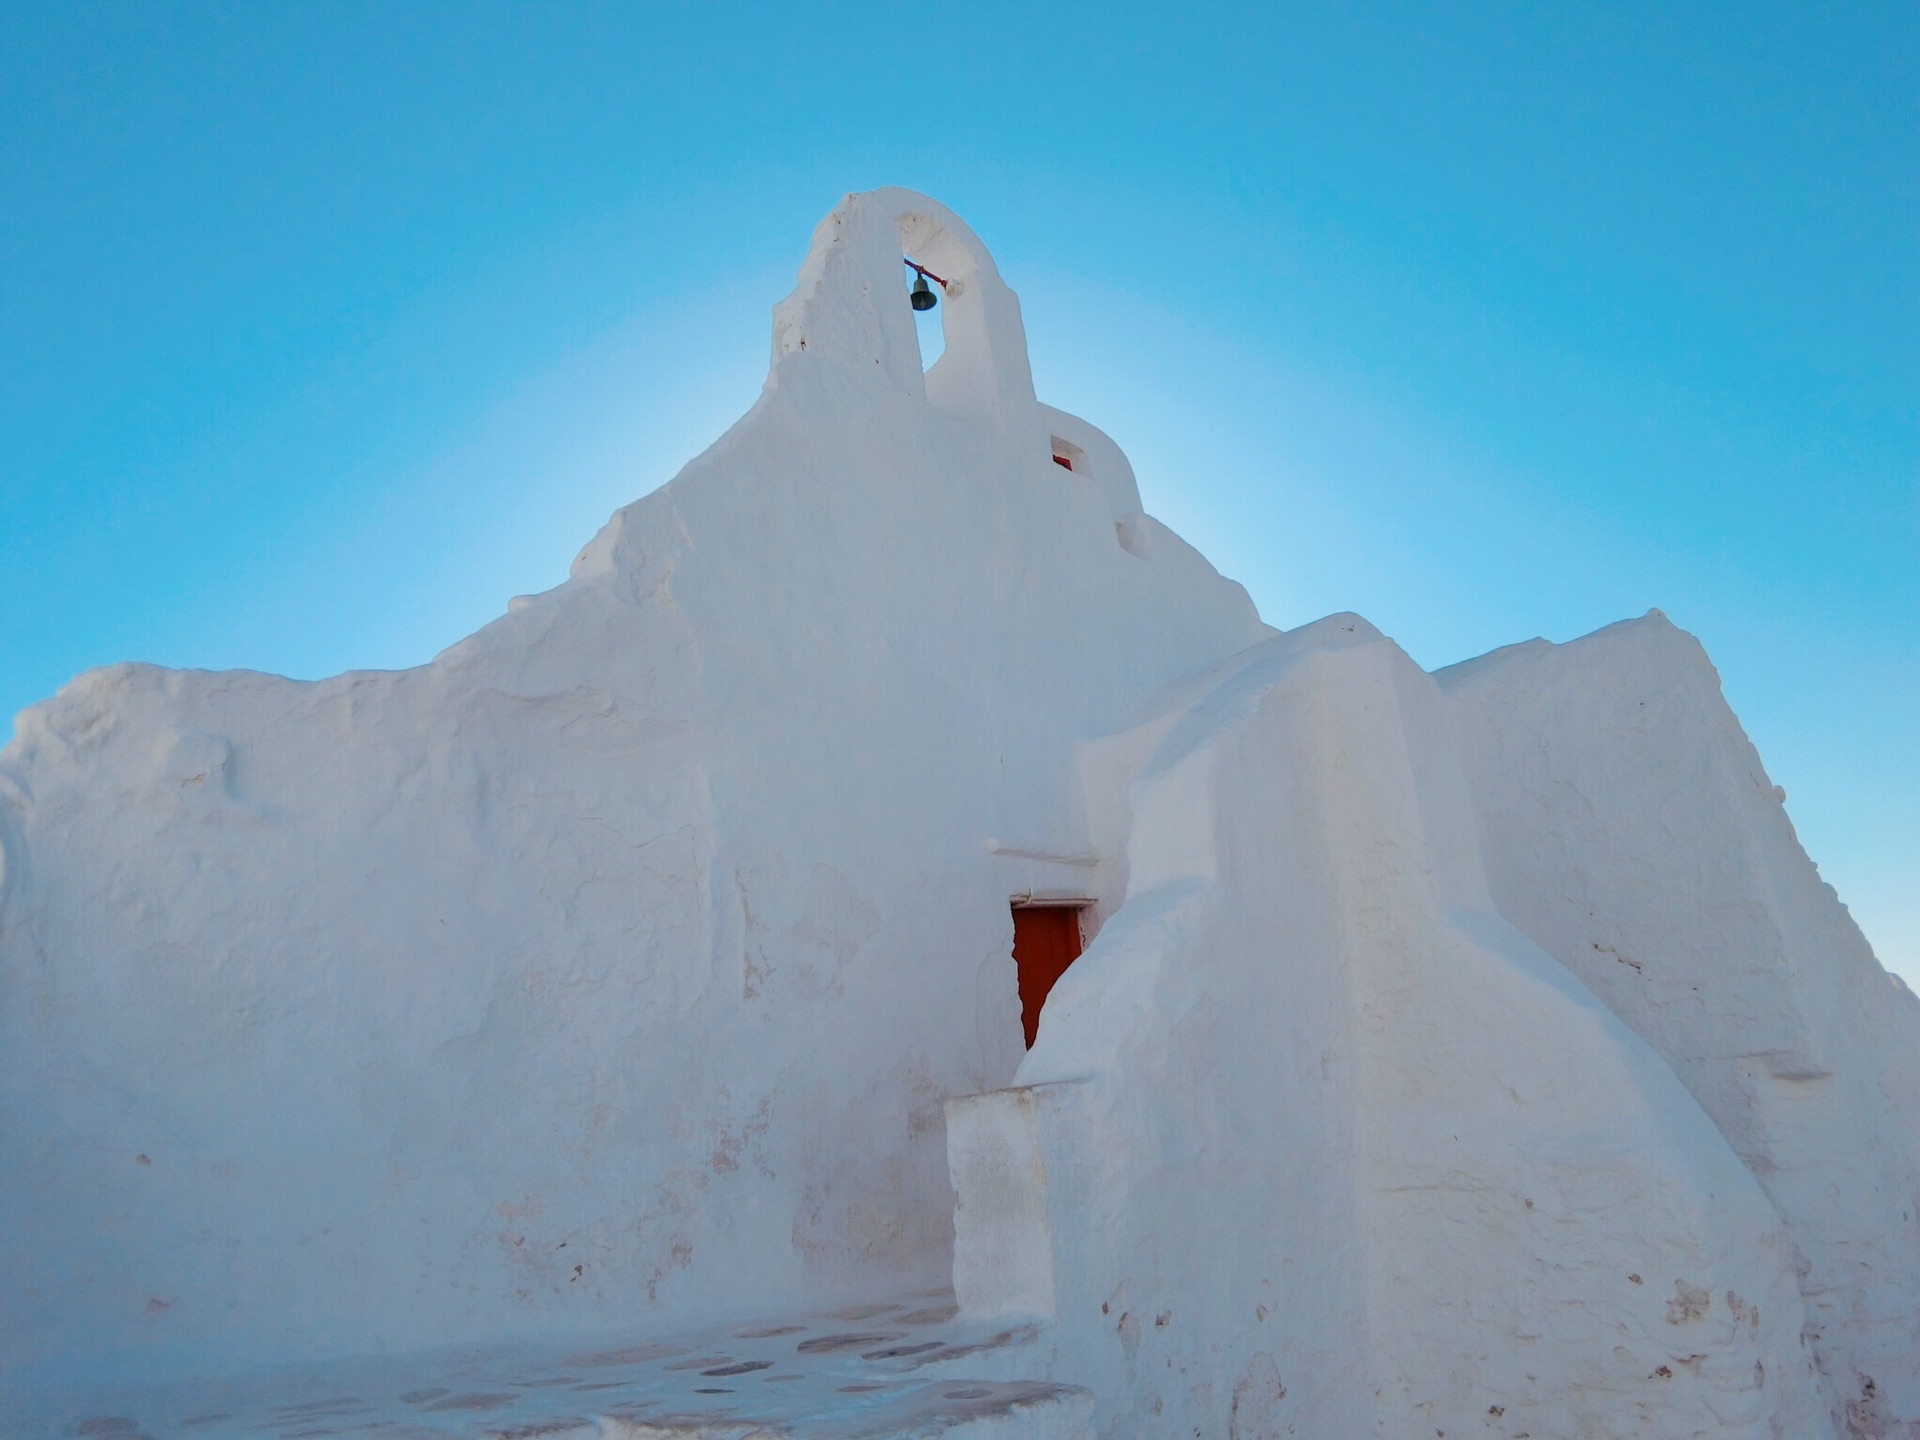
(1325, 1138)
(1632, 832)
(1473, 1053)
(616, 962)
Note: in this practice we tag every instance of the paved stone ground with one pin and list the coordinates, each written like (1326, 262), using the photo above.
(890, 1368)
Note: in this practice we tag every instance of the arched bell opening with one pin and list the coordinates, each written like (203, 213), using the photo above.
(850, 307)
(929, 316)
(956, 351)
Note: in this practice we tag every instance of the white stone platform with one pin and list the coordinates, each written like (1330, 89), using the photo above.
(866, 1372)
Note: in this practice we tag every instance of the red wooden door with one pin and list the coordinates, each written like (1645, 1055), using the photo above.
(1046, 940)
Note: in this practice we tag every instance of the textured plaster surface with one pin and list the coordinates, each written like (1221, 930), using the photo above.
(1471, 1054)
(616, 963)
(1631, 830)
(1325, 1139)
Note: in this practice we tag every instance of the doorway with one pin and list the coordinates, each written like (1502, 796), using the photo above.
(1046, 940)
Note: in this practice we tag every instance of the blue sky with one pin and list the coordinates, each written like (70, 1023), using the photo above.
(326, 328)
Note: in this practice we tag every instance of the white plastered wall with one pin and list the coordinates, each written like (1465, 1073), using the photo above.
(611, 969)
(1632, 832)
(1327, 1147)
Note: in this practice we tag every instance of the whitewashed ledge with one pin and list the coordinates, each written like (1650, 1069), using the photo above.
(865, 1372)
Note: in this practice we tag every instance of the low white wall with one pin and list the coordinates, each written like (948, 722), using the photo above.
(1002, 1215)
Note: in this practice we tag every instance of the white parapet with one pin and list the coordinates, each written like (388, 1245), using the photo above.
(1003, 1239)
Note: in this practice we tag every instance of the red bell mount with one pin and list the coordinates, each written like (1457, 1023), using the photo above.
(919, 269)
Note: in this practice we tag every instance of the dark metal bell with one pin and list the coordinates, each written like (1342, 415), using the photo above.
(923, 297)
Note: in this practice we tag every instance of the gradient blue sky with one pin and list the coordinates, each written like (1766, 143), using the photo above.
(328, 327)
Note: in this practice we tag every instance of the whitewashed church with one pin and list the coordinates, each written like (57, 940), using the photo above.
(894, 946)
